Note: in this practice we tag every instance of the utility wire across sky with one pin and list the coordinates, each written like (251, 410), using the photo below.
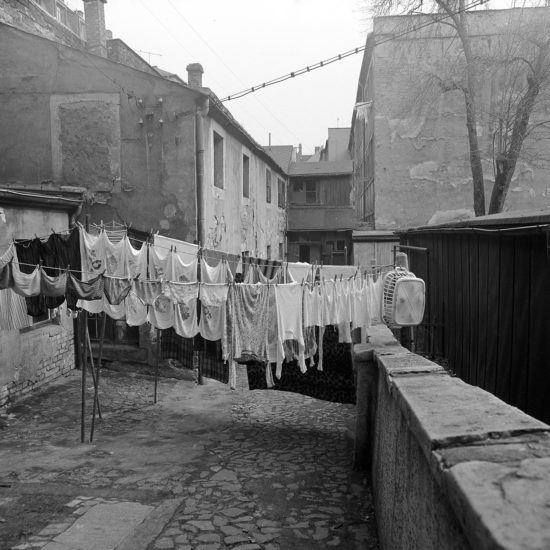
(340, 56)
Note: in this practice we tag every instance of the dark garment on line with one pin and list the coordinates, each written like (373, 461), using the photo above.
(59, 251)
(67, 251)
(28, 252)
(6, 278)
(116, 289)
(91, 290)
(335, 383)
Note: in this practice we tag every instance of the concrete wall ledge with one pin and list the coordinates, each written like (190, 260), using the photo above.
(468, 470)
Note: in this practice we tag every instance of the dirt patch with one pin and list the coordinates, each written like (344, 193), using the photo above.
(25, 515)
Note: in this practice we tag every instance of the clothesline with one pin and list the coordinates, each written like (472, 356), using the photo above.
(129, 278)
(21, 241)
(249, 318)
(200, 252)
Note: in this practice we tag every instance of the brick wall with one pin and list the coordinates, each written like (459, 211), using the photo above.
(33, 357)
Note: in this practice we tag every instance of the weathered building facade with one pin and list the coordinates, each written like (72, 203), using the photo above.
(321, 214)
(126, 133)
(82, 113)
(36, 350)
(409, 139)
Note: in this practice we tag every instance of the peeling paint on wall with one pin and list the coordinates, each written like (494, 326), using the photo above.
(170, 210)
(86, 140)
(425, 171)
(406, 128)
(216, 232)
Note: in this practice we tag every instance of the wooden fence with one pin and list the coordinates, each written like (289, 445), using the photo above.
(488, 308)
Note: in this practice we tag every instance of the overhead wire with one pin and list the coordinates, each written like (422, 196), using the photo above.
(299, 72)
(275, 117)
(187, 50)
(348, 53)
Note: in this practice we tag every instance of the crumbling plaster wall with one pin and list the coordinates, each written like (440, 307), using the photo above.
(124, 135)
(235, 223)
(38, 354)
(421, 147)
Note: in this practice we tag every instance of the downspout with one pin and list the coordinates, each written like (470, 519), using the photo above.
(202, 110)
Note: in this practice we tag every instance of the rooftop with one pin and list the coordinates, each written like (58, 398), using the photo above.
(516, 218)
(281, 154)
(323, 168)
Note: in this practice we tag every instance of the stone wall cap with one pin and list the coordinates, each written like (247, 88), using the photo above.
(445, 411)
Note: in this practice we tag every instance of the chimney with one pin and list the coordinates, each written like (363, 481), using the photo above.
(94, 17)
(194, 75)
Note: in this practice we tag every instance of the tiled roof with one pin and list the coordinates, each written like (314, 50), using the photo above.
(323, 168)
(281, 154)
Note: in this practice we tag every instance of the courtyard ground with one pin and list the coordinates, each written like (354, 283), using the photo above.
(205, 468)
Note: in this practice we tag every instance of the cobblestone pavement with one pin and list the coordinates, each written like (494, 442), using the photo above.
(210, 469)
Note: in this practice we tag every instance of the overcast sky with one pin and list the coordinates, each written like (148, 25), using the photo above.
(241, 43)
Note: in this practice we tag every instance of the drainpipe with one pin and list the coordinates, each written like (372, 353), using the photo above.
(202, 111)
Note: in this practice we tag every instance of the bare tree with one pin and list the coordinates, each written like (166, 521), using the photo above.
(519, 60)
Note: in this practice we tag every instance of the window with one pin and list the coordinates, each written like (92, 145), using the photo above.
(281, 198)
(218, 160)
(246, 176)
(305, 192)
(61, 14)
(269, 252)
(311, 192)
(267, 185)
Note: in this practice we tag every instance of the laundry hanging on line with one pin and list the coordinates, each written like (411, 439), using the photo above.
(252, 322)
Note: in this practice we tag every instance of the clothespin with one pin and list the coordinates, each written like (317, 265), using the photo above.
(302, 281)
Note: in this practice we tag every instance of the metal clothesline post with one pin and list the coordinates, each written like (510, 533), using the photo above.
(84, 366)
(98, 374)
(157, 365)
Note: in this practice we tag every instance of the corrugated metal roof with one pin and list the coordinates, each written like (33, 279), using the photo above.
(323, 168)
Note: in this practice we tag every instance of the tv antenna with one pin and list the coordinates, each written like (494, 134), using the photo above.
(149, 54)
